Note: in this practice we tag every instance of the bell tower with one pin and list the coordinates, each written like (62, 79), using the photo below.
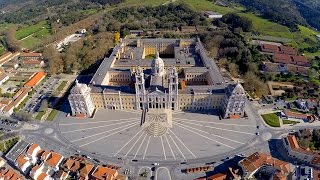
(173, 89)
(140, 89)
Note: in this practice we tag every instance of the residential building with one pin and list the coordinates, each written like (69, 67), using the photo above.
(104, 173)
(274, 49)
(34, 152)
(304, 155)
(294, 115)
(3, 77)
(129, 79)
(278, 169)
(212, 15)
(7, 172)
(11, 64)
(291, 59)
(85, 171)
(52, 160)
(136, 32)
(23, 164)
(30, 56)
(32, 63)
(61, 175)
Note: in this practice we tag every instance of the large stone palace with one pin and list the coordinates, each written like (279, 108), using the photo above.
(168, 74)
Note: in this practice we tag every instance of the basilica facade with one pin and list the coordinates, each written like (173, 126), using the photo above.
(168, 74)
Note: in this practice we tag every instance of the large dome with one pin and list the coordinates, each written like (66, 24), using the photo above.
(157, 66)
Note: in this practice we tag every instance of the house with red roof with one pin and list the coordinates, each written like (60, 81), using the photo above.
(34, 151)
(104, 173)
(52, 160)
(23, 163)
(304, 155)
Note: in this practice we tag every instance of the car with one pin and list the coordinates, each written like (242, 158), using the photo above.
(257, 133)
(96, 160)
(258, 127)
(156, 164)
(134, 160)
(183, 163)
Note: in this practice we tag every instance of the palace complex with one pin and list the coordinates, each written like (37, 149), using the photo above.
(167, 74)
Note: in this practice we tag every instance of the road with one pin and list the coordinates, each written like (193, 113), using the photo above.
(48, 136)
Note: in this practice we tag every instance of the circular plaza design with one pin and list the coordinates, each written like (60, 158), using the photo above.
(122, 133)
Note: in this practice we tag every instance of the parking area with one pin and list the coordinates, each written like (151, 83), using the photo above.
(42, 93)
(16, 150)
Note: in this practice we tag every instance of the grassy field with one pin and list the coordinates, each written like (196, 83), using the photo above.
(290, 122)
(205, 5)
(52, 115)
(146, 2)
(30, 36)
(42, 27)
(39, 115)
(62, 85)
(8, 144)
(271, 119)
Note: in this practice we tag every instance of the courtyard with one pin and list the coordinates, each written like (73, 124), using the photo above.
(117, 133)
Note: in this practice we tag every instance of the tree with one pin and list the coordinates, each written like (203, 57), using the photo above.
(54, 60)
(116, 37)
(12, 43)
(254, 84)
(23, 116)
(233, 69)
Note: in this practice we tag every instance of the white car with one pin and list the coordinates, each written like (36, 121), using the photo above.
(156, 164)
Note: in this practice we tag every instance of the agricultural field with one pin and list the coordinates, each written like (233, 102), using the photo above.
(30, 36)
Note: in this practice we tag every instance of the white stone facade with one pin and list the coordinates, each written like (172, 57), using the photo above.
(80, 100)
(234, 101)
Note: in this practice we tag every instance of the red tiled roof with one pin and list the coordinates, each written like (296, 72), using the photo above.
(35, 79)
(53, 159)
(21, 160)
(218, 176)
(257, 160)
(31, 149)
(104, 173)
(30, 55)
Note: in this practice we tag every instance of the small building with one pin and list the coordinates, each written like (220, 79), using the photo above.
(303, 155)
(81, 31)
(30, 56)
(34, 152)
(32, 63)
(3, 77)
(52, 160)
(23, 164)
(212, 15)
(254, 162)
(136, 32)
(35, 79)
(101, 173)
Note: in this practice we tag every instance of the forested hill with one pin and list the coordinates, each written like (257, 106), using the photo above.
(286, 12)
(23, 11)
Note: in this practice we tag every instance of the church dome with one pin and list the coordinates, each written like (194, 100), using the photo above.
(157, 66)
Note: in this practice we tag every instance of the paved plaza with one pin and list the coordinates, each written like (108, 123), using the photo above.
(118, 134)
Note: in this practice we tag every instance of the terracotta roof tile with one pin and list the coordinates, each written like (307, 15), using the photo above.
(31, 149)
(35, 79)
(21, 160)
(104, 173)
(53, 159)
